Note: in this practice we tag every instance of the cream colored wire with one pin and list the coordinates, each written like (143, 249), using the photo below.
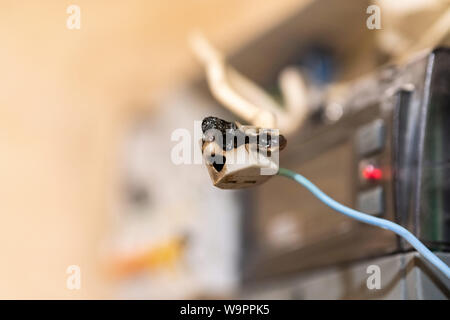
(246, 99)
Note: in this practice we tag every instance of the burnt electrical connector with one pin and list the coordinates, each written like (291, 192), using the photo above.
(239, 156)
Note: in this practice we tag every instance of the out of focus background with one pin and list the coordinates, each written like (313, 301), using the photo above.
(86, 118)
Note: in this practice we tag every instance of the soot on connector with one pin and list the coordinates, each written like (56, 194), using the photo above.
(232, 135)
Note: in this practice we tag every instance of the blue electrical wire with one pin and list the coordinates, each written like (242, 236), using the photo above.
(366, 218)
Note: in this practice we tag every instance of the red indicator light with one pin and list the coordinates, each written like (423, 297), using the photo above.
(371, 172)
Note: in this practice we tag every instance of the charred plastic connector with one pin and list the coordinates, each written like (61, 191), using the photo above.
(239, 156)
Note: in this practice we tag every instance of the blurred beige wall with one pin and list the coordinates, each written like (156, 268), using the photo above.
(65, 99)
